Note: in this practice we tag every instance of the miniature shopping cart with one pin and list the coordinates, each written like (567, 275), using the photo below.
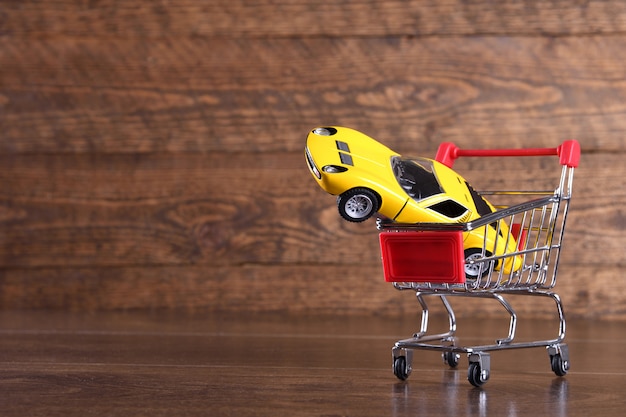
(429, 258)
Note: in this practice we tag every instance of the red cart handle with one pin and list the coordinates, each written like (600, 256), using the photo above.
(568, 153)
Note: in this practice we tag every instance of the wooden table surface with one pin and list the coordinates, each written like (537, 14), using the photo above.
(129, 364)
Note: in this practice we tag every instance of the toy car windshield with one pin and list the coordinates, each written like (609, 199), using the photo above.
(416, 176)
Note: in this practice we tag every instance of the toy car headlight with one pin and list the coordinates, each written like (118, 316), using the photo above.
(325, 131)
(333, 169)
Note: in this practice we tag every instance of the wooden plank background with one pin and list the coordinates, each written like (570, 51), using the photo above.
(151, 152)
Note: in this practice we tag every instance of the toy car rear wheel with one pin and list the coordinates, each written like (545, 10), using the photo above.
(473, 270)
(358, 204)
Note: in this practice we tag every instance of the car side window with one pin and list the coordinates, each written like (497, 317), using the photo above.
(416, 176)
(449, 208)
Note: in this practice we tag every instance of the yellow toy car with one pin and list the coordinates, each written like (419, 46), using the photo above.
(368, 177)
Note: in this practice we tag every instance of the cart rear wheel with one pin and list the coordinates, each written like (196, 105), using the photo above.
(475, 374)
(358, 204)
(400, 368)
(559, 366)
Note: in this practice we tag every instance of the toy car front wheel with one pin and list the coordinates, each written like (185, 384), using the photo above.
(357, 204)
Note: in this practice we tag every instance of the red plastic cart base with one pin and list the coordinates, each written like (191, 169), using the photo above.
(435, 257)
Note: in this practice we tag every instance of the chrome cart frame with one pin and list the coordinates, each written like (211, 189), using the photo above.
(536, 225)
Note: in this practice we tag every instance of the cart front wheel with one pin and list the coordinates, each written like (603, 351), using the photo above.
(400, 368)
(475, 375)
(559, 366)
(451, 358)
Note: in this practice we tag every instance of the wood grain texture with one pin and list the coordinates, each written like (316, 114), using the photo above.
(325, 288)
(263, 95)
(109, 232)
(287, 18)
(62, 364)
(238, 209)
(151, 153)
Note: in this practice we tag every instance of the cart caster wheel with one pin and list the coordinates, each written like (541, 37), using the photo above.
(400, 368)
(451, 358)
(559, 366)
(477, 376)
